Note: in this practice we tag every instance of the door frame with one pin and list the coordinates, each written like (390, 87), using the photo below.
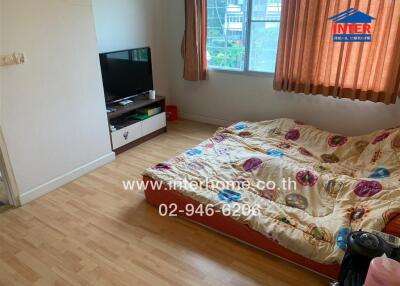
(7, 174)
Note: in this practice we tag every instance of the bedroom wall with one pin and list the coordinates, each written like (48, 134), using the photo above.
(127, 24)
(52, 107)
(229, 97)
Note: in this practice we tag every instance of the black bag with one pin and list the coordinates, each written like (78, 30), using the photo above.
(362, 247)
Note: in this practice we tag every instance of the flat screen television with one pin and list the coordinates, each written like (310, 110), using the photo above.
(126, 74)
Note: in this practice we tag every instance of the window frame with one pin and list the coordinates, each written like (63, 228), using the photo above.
(246, 70)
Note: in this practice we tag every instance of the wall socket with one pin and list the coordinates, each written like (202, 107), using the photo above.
(14, 59)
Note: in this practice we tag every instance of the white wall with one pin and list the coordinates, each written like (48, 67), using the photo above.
(52, 107)
(233, 97)
(127, 24)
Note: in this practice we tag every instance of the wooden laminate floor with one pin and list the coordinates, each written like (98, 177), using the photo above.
(92, 232)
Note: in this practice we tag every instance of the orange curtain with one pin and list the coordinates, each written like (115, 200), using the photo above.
(194, 46)
(310, 62)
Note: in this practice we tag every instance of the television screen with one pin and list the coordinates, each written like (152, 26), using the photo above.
(126, 73)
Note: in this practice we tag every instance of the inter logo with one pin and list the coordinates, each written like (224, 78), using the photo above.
(352, 26)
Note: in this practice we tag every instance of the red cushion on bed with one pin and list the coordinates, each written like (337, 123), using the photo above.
(393, 227)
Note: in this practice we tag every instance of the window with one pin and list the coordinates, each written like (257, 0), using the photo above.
(243, 35)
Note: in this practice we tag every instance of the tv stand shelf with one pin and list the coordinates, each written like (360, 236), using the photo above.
(129, 132)
(138, 102)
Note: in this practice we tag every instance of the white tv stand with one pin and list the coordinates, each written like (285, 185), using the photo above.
(131, 132)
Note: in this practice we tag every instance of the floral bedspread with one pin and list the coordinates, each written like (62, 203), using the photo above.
(334, 184)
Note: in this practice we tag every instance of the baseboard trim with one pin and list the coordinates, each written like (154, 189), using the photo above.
(65, 179)
(205, 119)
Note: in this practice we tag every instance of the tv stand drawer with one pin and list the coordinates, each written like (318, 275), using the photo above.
(154, 123)
(126, 135)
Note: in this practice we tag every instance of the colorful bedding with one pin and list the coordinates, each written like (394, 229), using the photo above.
(325, 184)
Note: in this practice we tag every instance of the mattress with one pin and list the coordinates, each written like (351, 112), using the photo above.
(334, 184)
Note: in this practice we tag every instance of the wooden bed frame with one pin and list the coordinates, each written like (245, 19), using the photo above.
(242, 232)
